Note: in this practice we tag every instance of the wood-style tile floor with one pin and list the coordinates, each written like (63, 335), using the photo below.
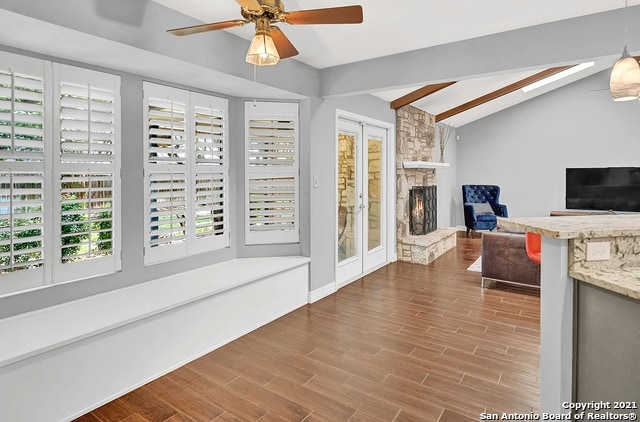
(406, 343)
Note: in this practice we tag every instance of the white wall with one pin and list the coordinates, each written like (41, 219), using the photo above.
(526, 149)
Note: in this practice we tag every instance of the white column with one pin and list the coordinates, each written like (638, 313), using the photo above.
(556, 326)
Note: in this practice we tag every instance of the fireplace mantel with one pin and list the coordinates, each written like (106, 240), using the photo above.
(423, 165)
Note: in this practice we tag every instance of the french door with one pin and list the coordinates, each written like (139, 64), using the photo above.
(361, 202)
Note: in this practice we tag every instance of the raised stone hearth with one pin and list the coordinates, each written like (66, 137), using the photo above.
(426, 248)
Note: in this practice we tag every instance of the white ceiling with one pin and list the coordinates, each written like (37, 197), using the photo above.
(391, 27)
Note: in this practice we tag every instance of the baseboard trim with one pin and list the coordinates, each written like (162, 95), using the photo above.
(322, 292)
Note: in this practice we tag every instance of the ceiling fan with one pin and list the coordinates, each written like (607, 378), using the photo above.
(269, 44)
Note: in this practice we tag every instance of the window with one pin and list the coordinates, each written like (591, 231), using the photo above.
(59, 173)
(186, 173)
(272, 172)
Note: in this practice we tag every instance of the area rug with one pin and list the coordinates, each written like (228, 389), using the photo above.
(476, 266)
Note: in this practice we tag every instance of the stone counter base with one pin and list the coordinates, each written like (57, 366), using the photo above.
(425, 249)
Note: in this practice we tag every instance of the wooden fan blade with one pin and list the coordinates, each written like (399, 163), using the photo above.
(345, 14)
(283, 45)
(188, 30)
(252, 5)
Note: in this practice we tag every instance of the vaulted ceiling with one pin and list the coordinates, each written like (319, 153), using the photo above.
(401, 47)
(390, 28)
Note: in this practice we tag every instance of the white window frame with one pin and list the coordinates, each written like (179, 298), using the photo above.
(53, 271)
(188, 172)
(269, 177)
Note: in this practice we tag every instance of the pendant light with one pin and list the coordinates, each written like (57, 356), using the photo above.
(624, 84)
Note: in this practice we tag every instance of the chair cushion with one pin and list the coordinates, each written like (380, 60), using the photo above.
(482, 208)
(486, 217)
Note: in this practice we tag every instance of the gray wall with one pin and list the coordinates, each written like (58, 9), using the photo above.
(446, 179)
(317, 137)
(526, 149)
(323, 155)
(133, 269)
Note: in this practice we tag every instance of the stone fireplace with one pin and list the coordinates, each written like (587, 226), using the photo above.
(415, 141)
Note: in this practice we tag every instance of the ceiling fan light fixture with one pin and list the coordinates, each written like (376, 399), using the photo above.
(624, 84)
(262, 51)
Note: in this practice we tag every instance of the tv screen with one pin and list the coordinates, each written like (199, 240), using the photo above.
(605, 188)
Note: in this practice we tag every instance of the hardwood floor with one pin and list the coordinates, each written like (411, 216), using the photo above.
(405, 343)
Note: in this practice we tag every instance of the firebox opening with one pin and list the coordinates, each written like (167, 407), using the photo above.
(423, 209)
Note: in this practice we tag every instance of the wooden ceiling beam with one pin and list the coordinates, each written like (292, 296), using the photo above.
(418, 94)
(500, 92)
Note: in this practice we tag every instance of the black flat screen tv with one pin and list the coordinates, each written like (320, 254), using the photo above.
(604, 188)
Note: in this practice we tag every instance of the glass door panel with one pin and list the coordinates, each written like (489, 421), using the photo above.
(346, 196)
(361, 213)
(374, 214)
(374, 224)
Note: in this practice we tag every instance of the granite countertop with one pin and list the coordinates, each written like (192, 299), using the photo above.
(576, 227)
(620, 279)
(625, 281)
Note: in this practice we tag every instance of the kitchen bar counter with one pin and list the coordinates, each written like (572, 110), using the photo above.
(568, 276)
(575, 227)
(619, 273)
(624, 281)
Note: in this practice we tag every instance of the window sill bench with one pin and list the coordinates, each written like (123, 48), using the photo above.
(27, 335)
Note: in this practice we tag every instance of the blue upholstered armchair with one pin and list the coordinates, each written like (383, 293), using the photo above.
(481, 206)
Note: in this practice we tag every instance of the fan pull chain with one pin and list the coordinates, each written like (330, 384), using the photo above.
(255, 84)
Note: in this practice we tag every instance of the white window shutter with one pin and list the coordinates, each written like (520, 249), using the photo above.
(210, 172)
(272, 208)
(22, 110)
(22, 173)
(21, 220)
(167, 141)
(186, 173)
(59, 173)
(88, 172)
(166, 177)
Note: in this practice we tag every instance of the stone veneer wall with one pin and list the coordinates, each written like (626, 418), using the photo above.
(415, 141)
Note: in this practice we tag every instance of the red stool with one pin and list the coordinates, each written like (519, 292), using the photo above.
(533, 246)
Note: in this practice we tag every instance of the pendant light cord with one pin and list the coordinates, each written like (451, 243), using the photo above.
(626, 23)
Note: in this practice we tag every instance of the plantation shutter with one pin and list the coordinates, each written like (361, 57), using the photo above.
(59, 173)
(22, 169)
(21, 117)
(186, 173)
(210, 172)
(166, 173)
(21, 222)
(272, 173)
(88, 172)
